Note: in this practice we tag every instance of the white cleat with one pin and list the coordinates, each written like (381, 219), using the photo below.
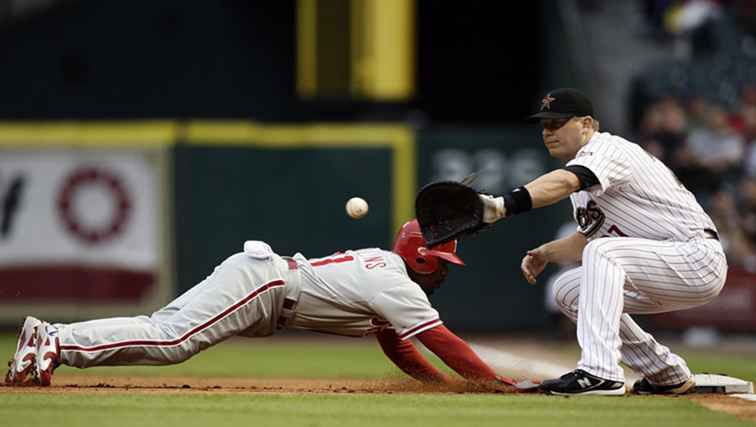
(24, 360)
(47, 352)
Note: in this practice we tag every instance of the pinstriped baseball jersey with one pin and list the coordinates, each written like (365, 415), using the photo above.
(647, 252)
(637, 195)
(359, 292)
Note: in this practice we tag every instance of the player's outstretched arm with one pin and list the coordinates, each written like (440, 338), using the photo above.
(542, 191)
(407, 358)
(458, 355)
(552, 187)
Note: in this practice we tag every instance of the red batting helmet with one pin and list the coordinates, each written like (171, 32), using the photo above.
(410, 245)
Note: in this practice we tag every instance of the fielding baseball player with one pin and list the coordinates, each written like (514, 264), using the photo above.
(644, 243)
(255, 292)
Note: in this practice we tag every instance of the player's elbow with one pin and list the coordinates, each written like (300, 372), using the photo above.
(570, 182)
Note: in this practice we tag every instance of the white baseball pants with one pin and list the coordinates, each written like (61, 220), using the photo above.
(621, 276)
(243, 296)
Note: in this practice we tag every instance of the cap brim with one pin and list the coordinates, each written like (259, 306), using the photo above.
(549, 115)
(446, 256)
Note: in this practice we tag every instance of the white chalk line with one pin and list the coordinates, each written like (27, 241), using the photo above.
(751, 397)
(507, 362)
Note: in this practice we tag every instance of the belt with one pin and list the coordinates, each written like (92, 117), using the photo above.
(710, 234)
(289, 304)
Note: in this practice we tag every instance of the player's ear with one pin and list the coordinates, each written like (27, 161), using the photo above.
(587, 122)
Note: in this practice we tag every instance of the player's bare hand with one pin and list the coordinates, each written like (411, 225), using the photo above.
(533, 264)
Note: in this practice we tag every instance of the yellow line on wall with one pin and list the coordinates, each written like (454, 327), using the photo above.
(72, 134)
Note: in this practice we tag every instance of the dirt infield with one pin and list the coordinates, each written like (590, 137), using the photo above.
(743, 409)
(88, 384)
(150, 385)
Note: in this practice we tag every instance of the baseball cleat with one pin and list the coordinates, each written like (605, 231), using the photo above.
(48, 349)
(581, 383)
(24, 360)
(644, 386)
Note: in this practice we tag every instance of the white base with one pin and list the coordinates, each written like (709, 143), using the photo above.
(722, 384)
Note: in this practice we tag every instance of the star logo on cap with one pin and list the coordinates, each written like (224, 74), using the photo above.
(546, 102)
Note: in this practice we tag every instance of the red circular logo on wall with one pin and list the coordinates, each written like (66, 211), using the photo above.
(100, 182)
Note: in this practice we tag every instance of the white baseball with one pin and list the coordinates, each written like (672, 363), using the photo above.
(356, 207)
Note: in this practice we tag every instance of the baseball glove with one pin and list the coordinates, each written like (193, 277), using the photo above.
(448, 210)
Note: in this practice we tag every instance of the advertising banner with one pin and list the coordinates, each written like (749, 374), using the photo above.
(80, 227)
(83, 231)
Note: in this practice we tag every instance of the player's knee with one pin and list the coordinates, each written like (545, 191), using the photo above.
(176, 355)
(566, 308)
(566, 291)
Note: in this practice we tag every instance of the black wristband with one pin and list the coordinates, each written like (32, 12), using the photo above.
(517, 201)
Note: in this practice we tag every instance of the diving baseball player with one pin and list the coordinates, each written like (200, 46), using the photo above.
(644, 243)
(255, 292)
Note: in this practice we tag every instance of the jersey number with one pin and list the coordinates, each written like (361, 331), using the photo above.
(616, 231)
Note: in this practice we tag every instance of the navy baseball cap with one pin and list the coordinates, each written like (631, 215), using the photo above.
(562, 104)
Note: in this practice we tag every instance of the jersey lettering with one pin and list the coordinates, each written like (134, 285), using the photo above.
(589, 218)
(375, 262)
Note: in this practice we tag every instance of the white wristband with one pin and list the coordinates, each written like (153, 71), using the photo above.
(493, 208)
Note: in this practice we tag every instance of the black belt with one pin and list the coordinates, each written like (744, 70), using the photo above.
(710, 234)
